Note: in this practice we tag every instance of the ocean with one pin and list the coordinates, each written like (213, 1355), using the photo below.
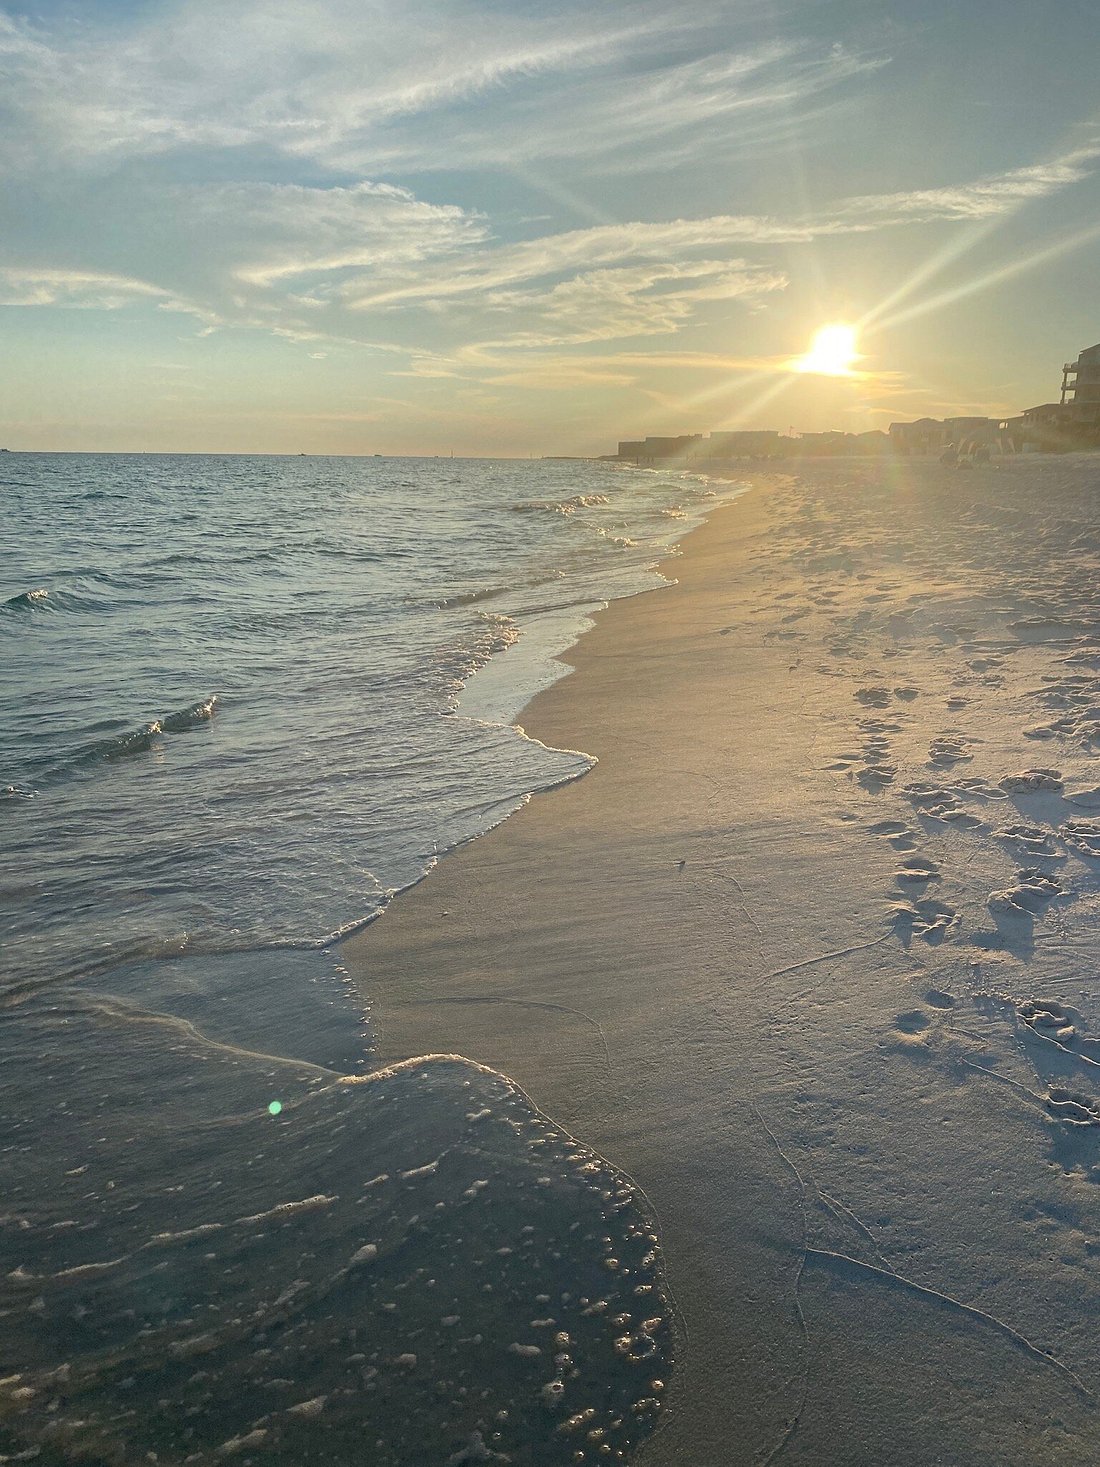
(247, 700)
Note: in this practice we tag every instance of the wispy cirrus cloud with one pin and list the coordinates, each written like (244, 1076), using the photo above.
(87, 290)
(984, 198)
(293, 76)
(494, 268)
(398, 86)
(613, 305)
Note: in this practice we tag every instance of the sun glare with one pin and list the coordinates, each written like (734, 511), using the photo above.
(832, 352)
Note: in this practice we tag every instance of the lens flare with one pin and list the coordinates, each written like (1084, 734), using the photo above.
(275, 1108)
(832, 353)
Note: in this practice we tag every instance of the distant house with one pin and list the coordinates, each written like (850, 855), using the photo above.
(631, 449)
(1060, 427)
(925, 436)
(744, 443)
(1051, 427)
(967, 434)
(681, 449)
(874, 440)
(1013, 435)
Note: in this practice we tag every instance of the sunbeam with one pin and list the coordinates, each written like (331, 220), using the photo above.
(1010, 268)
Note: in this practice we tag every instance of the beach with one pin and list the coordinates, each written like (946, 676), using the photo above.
(810, 955)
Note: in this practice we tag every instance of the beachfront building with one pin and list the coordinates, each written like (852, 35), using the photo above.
(967, 434)
(1081, 379)
(726, 446)
(681, 449)
(744, 443)
(1012, 434)
(1058, 427)
(924, 436)
(1074, 421)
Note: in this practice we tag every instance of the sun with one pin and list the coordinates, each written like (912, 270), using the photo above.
(832, 353)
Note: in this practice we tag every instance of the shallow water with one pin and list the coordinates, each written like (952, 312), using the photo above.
(238, 717)
(229, 718)
(416, 1263)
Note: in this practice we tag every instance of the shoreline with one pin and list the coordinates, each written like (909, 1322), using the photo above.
(692, 960)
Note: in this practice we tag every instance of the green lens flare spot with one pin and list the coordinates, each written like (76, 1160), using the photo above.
(275, 1108)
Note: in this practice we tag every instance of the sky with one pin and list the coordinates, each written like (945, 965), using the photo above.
(501, 227)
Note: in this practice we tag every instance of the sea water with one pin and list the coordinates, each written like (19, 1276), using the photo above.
(246, 700)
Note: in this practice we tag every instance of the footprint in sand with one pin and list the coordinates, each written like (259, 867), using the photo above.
(1033, 839)
(1033, 781)
(1070, 693)
(978, 789)
(928, 919)
(910, 1031)
(845, 758)
(917, 871)
(913, 1022)
(875, 777)
(1053, 1022)
(1048, 628)
(896, 832)
(1029, 894)
(938, 999)
(1048, 1018)
(877, 696)
(948, 749)
(870, 765)
(876, 743)
(936, 803)
(1070, 1108)
(873, 697)
(1082, 837)
(1042, 731)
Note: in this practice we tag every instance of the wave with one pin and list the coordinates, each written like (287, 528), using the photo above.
(35, 600)
(560, 506)
(621, 542)
(471, 598)
(139, 740)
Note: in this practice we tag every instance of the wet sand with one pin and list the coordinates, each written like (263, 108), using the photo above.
(811, 955)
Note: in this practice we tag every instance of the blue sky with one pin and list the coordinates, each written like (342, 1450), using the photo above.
(417, 226)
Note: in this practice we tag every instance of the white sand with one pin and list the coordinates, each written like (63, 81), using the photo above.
(812, 954)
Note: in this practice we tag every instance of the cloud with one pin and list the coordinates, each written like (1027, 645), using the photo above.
(399, 85)
(983, 198)
(83, 289)
(302, 77)
(284, 232)
(244, 254)
(640, 300)
(364, 262)
(580, 249)
(492, 269)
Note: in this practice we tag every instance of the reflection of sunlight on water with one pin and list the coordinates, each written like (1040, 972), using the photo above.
(416, 1259)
